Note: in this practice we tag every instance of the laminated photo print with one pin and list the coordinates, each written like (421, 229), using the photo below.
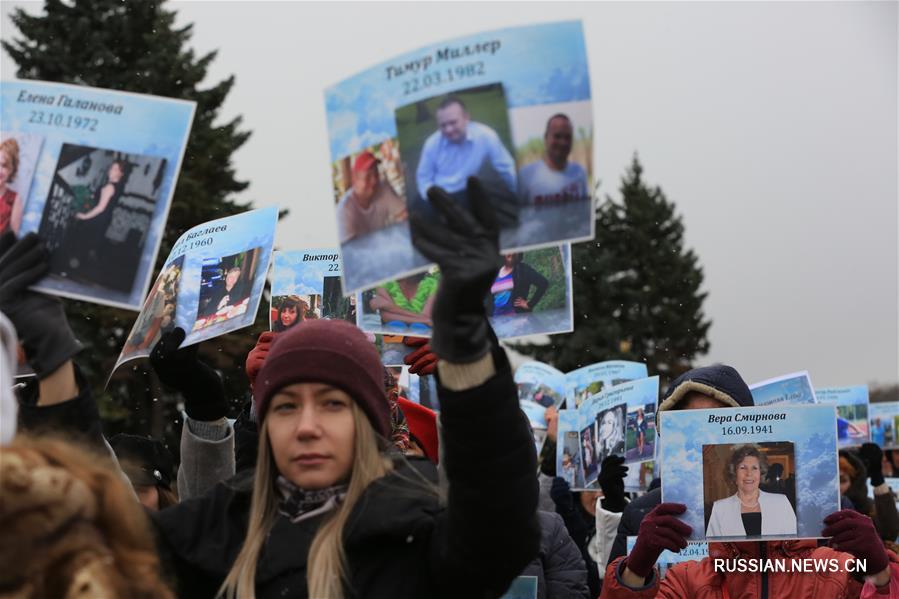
(762, 473)
(532, 295)
(794, 388)
(590, 380)
(511, 107)
(419, 389)
(693, 552)
(392, 348)
(96, 171)
(884, 422)
(618, 421)
(18, 158)
(640, 476)
(306, 286)
(541, 384)
(852, 413)
(211, 283)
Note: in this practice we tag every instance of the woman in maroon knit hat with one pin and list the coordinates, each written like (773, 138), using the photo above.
(329, 511)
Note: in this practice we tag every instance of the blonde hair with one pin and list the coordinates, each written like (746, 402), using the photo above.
(326, 565)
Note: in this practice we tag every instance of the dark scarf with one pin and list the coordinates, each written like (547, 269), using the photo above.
(299, 504)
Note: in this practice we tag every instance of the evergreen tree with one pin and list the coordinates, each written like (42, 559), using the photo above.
(636, 289)
(135, 46)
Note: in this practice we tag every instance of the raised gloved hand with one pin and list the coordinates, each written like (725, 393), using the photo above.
(560, 493)
(611, 480)
(422, 361)
(855, 533)
(40, 319)
(199, 384)
(872, 456)
(256, 356)
(466, 247)
(659, 530)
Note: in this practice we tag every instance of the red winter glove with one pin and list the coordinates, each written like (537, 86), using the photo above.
(854, 533)
(422, 361)
(256, 356)
(659, 530)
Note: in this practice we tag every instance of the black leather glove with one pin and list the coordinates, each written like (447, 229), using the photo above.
(561, 495)
(611, 480)
(40, 319)
(199, 384)
(466, 247)
(872, 456)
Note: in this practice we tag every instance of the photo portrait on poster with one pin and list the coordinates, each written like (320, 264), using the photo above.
(511, 106)
(225, 285)
(392, 348)
(569, 464)
(540, 383)
(18, 158)
(305, 286)
(610, 435)
(884, 420)
(590, 380)
(446, 139)
(638, 479)
(852, 413)
(157, 317)
(795, 388)
(105, 164)
(761, 473)
(532, 295)
(607, 424)
(750, 489)
(210, 284)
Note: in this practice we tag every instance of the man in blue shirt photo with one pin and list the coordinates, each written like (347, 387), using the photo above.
(459, 149)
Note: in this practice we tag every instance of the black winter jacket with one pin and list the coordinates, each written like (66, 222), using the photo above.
(559, 567)
(400, 540)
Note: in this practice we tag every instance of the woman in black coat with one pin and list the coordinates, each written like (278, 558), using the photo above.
(327, 512)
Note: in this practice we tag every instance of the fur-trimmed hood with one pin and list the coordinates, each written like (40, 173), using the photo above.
(718, 381)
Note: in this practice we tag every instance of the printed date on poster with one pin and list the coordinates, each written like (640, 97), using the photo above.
(57, 119)
(438, 78)
(755, 429)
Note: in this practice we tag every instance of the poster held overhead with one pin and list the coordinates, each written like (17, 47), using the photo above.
(210, 284)
(852, 413)
(617, 421)
(532, 295)
(511, 106)
(96, 173)
(795, 388)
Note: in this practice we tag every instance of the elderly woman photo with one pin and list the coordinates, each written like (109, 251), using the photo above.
(750, 511)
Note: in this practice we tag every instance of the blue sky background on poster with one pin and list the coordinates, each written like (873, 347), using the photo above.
(360, 110)
(146, 125)
(811, 428)
(845, 396)
(794, 388)
(229, 235)
(293, 274)
(245, 231)
(538, 373)
(606, 372)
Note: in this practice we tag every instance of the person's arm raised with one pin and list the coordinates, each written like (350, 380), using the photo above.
(488, 451)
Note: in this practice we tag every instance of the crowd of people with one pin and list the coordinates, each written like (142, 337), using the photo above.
(328, 484)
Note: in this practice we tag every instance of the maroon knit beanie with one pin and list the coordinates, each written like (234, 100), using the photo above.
(333, 352)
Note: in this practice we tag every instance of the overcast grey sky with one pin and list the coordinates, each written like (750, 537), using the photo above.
(772, 126)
